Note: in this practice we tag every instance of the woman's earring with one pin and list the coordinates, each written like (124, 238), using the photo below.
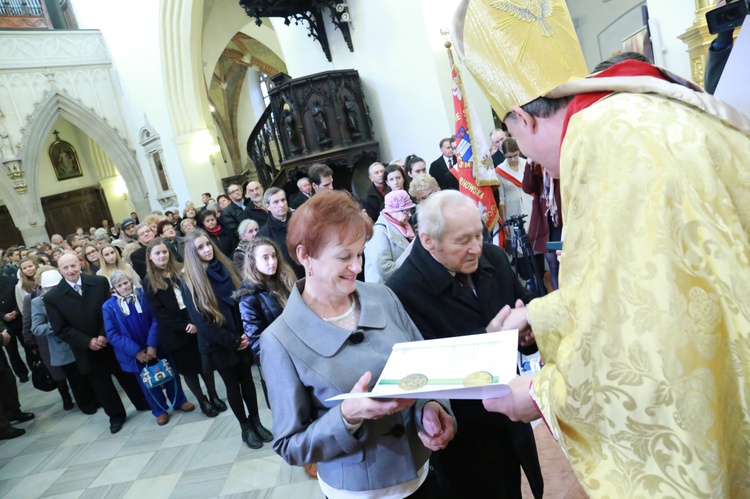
(309, 272)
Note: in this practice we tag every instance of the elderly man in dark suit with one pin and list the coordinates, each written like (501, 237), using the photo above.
(440, 169)
(452, 284)
(74, 308)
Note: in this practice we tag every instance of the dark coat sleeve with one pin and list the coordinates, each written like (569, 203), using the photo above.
(70, 335)
(28, 335)
(164, 316)
(210, 333)
(258, 311)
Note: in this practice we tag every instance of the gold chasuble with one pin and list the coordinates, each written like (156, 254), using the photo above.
(647, 341)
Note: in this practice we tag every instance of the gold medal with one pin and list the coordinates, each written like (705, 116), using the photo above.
(412, 382)
(479, 378)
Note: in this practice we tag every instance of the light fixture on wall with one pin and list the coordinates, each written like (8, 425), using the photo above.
(342, 9)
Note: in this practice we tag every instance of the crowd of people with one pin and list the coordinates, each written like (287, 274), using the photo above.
(199, 291)
(645, 381)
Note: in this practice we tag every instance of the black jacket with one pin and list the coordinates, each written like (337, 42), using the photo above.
(298, 200)
(276, 231)
(439, 307)
(225, 240)
(445, 179)
(75, 318)
(259, 307)
(218, 344)
(170, 320)
(374, 202)
(138, 261)
(258, 214)
(8, 303)
(230, 218)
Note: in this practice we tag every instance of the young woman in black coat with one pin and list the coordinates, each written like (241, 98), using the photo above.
(268, 280)
(208, 285)
(176, 333)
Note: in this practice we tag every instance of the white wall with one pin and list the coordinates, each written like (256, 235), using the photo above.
(403, 66)
(672, 18)
(132, 36)
(591, 18)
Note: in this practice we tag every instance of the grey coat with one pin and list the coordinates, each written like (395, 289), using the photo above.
(306, 360)
(383, 250)
(60, 353)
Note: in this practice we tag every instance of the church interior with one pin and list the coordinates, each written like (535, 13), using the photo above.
(106, 111)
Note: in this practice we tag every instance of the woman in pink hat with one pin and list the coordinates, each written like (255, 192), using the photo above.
(392, 234)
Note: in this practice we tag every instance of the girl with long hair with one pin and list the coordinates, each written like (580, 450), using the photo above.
(394, 179)
(209, 281)
(90, 259)
(27, 268)
(162, 289)
(268, 280)
(109, 261)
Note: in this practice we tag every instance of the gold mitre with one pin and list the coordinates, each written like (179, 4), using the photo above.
(517, 50)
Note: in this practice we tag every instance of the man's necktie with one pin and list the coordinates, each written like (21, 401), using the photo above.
(463, 280)
(78, 289)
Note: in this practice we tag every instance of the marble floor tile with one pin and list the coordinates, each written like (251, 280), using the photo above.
(100, 450)
(17, 446)
(161, 486)
(215, 453)
(144, 441)
(201, 483)
(192, 433)
(252, 474)
(22, 465)
(76, 478)
(114, 491)
(308, 490)
(33, 486)
(169, 461)
(68, 422)
(60, 458)
(45, 442)
(224, 426)
(68, 495)
(122, 469)
(89, 432)
(6, 485)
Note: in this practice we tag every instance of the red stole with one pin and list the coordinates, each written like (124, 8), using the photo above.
(625, 68)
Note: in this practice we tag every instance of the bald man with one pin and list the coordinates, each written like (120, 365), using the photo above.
(74, 308)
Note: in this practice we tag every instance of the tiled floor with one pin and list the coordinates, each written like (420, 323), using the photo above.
(72, 455)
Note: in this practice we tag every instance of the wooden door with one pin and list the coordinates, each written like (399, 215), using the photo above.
(9, 233)
(80, 208)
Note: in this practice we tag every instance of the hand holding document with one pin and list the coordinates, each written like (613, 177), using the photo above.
(463, 367)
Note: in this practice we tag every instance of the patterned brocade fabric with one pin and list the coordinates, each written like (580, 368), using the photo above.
(647, 342)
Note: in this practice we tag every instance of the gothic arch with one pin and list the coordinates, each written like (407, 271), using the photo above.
(59, 105)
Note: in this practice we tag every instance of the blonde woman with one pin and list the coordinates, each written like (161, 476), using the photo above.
(209, 281)
(109, 261)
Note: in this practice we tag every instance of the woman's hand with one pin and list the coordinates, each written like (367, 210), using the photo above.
(151, 352)
(142, 356)
(191, 329)
(354, 411)
(438, 425)
(244, 343)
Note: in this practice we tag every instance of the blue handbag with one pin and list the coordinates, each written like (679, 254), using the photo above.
(157, 374)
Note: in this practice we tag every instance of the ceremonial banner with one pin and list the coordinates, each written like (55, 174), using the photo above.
(474, 181)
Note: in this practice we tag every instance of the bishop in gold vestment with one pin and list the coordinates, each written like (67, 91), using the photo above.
(647, 341)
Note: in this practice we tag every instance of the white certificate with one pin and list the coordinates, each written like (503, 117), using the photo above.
(464, 367)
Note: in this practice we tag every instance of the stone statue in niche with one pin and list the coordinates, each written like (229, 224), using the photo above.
(6, 148)
(352, 115)
(319, 117)
(289, 129)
